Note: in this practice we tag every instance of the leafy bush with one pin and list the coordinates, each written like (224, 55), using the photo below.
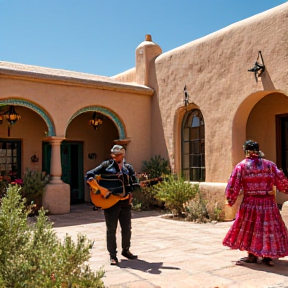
(175, 191)
(4, 182)
(201, 210)
(196, 209)
(216, 213)
(156, 167)
(145, 199)
(33, 185)
(33, 256)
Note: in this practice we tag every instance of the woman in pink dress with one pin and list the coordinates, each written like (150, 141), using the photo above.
(258, 227)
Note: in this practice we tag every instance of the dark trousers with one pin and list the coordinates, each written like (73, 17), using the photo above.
(120, 211)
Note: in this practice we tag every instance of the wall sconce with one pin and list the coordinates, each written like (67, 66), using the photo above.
(92, 156)
(34, 158)
(96, 120)
(186, 97)
(258, 68)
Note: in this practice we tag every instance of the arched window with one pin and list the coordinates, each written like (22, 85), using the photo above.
(193, 146)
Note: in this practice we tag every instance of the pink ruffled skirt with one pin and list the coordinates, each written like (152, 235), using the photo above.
(259, 228)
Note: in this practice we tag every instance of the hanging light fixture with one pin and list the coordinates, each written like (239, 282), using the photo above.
(96, 120)
(12, 117)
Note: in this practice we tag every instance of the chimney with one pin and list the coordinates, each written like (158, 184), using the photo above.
(146, 53)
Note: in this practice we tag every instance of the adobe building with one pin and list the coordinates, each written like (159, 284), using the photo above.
(194, 105)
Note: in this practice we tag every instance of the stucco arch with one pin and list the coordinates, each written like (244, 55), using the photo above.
(24, 103)
(240, 122)
(110, 114)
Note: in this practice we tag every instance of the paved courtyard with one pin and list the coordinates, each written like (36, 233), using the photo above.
(171, 254)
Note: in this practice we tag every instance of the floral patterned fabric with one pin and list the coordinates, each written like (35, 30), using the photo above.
(258, 227)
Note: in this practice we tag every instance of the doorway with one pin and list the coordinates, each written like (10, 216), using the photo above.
(282, 142)
(72, 167)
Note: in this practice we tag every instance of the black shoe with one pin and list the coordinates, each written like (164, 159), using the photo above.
(250, 259)
(129, 255)
(113, 261)
(268, 261)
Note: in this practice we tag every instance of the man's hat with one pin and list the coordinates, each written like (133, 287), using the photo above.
(117, 149)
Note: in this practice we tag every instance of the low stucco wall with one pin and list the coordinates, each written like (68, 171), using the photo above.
(216, 191)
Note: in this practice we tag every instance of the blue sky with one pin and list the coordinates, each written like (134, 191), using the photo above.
(100, 36)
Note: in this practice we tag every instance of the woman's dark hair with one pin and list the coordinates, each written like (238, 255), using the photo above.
(251, 145)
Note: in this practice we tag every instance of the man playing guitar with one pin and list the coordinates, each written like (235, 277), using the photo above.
(117, 177)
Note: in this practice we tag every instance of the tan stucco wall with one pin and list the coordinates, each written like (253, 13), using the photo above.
(128, 76)
(214, 70)
(62, 101)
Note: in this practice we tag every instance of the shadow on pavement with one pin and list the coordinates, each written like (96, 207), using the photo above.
(280, 267)
(152, 268)
(81, 214)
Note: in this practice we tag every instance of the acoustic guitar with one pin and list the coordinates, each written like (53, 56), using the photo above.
(105, 192)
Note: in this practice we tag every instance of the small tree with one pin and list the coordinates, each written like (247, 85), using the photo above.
(33, 256)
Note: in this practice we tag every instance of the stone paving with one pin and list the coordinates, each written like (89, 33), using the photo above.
(171, 254)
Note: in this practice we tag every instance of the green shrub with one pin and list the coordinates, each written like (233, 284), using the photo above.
(4, 182)
(2, 284)
(145, 199)
(201, 210)
(174, 191)
(216, 213)
(156, 167)
(196, 209)
(31, 255)
(33, 185)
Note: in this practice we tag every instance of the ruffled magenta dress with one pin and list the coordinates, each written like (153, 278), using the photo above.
(258, 227)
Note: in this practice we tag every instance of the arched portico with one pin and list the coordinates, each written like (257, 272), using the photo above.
(24, 103)
(239, 127)
(108, 113)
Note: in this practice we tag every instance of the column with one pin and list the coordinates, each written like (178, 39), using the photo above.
(56, 196)
(55, 168)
